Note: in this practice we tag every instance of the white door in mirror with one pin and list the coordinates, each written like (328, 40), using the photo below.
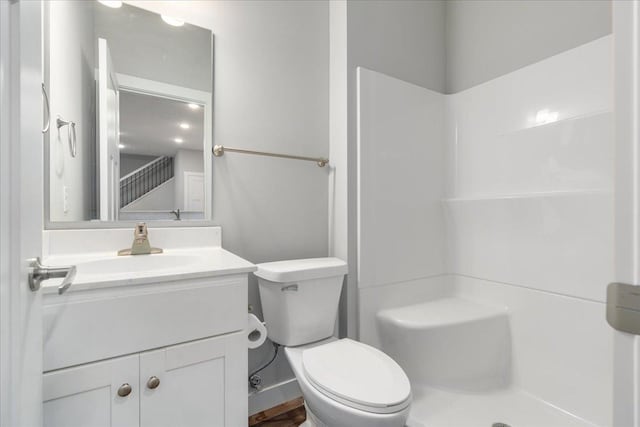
(193, 191)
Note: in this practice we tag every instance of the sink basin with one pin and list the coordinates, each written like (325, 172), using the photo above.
(157, 263)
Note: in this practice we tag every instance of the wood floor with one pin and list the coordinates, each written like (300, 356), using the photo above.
(288, 414)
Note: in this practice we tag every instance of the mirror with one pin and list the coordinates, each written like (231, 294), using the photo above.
(130, 95)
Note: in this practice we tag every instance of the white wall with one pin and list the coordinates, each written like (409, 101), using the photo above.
(72, 96)
(530, 216)
(489, 38)
(271, 93)
(528, 207)
(401, 170)
(403, 39)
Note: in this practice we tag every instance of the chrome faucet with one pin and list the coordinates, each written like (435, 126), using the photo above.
(141, 245)
(177, 214)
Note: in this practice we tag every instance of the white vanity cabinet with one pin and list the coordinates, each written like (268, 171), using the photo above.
(167, 353)
(201, 383)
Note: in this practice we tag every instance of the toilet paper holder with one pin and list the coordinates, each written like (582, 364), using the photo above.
(256, 331)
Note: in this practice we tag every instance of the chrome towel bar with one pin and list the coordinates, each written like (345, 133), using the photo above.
(219, 151)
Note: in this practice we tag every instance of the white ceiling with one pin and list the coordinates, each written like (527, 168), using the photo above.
(149, 124)
(143, 45)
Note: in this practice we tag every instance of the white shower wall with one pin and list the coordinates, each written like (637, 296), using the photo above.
(401, 169)
(527, 205)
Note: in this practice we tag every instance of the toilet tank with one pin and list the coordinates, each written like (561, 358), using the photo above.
(300, 298)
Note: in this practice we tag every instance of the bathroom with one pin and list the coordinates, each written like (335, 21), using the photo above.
(457, 178)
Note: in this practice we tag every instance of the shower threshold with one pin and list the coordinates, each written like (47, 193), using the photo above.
(510, 406)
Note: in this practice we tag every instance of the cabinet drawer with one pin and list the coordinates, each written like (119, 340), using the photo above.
(96, 325)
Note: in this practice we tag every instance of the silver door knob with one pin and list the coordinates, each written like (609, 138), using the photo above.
(124, 390)
(153, 382)
(38, 273)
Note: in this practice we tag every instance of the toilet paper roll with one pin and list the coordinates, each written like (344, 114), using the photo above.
(256, 332)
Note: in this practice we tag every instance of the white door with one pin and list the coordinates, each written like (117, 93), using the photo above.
(202, 383)
(194, 191)
(100, 394)
(21, 212)
(108, 136)
(626, 14)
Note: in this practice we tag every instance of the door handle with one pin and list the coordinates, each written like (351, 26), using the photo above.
(40, 272)
(48, 108)
(623, 307)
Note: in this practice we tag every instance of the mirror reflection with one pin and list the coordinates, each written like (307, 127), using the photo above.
(130, 98)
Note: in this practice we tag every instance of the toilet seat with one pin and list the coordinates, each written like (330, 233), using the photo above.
(358, 376)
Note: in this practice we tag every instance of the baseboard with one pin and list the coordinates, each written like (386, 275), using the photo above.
(273, 395)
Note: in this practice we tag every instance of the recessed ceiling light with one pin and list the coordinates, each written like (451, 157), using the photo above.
(114, 4)
(121, 146)
(175, 22)
(194, 106)
(184, 125)
(178, 140)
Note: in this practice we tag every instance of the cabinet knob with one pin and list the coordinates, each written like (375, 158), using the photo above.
(124, 390)
(153, 382)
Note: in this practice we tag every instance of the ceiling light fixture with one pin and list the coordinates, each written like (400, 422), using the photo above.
(184, 125)
(121, 146)
(114, 4)
(194, 106)
(178, 140)
(174, 22)
(546, 116)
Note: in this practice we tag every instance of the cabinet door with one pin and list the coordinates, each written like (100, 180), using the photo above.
(87, 395)
(201, 383)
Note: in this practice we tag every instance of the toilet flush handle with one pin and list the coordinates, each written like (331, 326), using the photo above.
(290, 288)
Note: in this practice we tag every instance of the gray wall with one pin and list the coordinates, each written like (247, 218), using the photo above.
(71, 90)
(489, 38)
(271, 92)
(159, 199)
(400, 38)
(131, 162)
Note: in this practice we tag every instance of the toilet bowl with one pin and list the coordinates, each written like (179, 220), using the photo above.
(344, 383)
(347, 383)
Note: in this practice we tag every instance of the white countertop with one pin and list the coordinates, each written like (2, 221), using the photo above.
(98, 270)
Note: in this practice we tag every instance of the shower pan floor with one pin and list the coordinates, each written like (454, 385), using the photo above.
(515, 408)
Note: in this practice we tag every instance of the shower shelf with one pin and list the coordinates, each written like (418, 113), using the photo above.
(537, 195)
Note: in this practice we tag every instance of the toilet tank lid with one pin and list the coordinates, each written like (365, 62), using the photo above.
(301, 269)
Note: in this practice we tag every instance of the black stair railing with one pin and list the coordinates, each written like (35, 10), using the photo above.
(143, 180)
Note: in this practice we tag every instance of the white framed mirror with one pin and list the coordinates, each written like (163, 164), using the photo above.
(131, 104)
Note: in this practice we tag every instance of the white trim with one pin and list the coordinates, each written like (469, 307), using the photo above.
(107, 193)
(626, 357)
(21, 212)
(165, 90)
(5, 225)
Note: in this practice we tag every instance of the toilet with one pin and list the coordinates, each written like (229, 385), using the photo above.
(344, 383)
